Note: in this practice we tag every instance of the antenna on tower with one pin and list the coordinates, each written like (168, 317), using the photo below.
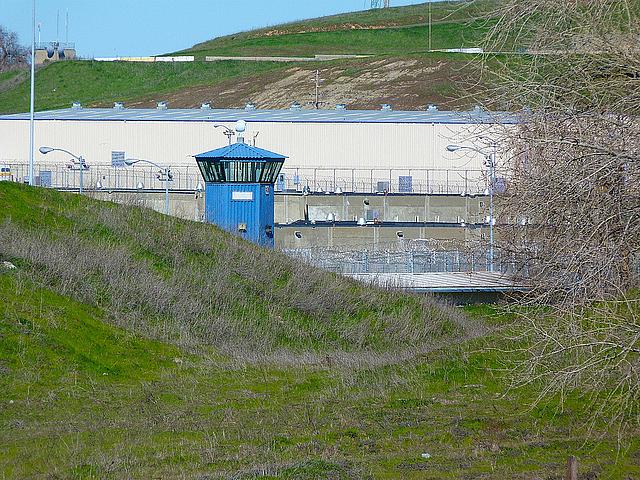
(67, 27)
(58, 26)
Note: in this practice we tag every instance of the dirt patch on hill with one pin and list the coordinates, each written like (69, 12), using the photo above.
(407, 84)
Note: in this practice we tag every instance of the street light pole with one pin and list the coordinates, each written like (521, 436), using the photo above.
(32, 101)
(490, 162)
(227, 131)
(82, 164)
(166, 178)
(491, 159)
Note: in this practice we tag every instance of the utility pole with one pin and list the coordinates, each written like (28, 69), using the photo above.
(317, 102)
(32, 144)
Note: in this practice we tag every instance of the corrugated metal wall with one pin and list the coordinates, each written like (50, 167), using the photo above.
(308, 145)
(232, 205)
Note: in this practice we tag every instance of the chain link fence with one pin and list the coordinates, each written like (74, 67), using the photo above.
(322, 180)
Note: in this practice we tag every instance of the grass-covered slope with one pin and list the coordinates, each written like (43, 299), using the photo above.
(393, 35)
(102, 376)
(195, 286)
(389, 30)
(397, 41)
(61, 83)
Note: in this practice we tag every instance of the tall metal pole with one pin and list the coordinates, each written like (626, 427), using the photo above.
(492, 183)
(317, 103)
(32, 145)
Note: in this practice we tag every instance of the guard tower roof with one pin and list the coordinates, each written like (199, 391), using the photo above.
(241, 151)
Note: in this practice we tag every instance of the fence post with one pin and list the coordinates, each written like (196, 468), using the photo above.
(572, 469)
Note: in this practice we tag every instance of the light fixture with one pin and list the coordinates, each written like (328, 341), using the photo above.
(140, 186)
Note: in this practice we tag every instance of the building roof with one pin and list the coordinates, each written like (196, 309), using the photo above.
(429, 116)
(240, 151)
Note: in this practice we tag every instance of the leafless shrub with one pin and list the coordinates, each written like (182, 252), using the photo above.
(571, 212)
(12, 54)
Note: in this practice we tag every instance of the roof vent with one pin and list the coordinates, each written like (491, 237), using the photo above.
(76, 105)
(162, 105)
(250, 106)
(386, 107)
(205, 106)
(341, 106)
(118, 106)
(432, 108)
(296, 106)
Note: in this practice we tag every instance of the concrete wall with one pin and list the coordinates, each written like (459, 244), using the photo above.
(385, 208)
(42, 57)
(290, 208)
(370, 237)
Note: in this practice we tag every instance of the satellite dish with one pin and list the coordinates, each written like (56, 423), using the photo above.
(61, 53)
(241, 126)
(50, 51)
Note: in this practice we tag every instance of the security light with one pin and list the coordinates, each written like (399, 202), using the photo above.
(45, 150)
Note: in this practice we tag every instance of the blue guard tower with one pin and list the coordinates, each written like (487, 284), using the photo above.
(239, 188)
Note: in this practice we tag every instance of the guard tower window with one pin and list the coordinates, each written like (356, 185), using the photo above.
(239, 171)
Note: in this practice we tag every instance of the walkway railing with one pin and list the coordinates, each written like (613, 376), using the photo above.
(409, 261)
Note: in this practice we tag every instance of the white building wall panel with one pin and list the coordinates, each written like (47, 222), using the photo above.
(308, 145)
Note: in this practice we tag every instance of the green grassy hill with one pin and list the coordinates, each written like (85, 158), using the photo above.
(391, 35)
(134, 345)
(393, 30)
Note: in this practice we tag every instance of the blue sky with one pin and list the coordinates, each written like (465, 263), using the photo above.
(145, 27)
